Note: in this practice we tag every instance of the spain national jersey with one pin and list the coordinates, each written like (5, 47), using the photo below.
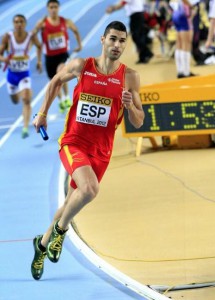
(96, 112)
(55, 38)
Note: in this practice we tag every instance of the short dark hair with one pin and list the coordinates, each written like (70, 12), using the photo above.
(52, 1)
(19, 16)
(117, 25)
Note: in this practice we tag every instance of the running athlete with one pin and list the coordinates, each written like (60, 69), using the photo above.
(17, 43)
(55, 40)
(105, 87)
(182, 19)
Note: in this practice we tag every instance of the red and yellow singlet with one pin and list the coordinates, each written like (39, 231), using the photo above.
(96, 112)
(55, 38)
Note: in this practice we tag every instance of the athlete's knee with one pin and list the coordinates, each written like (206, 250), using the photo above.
(89, 191)
(26, 100)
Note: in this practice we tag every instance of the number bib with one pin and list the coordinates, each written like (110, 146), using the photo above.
(93, 109)
(56, 41)
(19, 64)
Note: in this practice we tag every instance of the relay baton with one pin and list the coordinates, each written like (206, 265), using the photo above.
(43, 133)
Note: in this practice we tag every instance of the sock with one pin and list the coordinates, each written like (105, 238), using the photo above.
(41, 247)
(178, 62)
(186, 62)
(66, 97)
(59, 230)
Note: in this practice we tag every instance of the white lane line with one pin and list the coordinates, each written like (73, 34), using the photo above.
(27, 15)
(7, 126)
(68, 5)
(11, 10)
(95, 29)
(51, 118)
(85, 9)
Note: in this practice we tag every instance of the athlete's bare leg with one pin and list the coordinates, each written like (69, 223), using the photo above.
(57, 216)
(26, 96)
(86, 191)
(65, 89)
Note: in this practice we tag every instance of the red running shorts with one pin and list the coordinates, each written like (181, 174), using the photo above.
(73, 157)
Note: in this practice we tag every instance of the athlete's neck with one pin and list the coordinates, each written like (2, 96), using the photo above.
(54, 19)
(20, 34)
(106, 65)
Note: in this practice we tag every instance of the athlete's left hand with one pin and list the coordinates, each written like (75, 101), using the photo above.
(127, 99)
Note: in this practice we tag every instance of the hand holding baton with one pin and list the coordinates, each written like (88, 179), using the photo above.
(43, 131)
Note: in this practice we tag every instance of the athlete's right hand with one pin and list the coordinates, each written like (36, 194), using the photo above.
(39, 121)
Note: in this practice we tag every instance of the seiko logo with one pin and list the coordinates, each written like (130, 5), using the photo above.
(95, 99)
(147, 97)
(90, 74)
(114, 80)
(100, 82)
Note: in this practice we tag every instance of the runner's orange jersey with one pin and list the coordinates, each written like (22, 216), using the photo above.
(55, 38)
(96, 112)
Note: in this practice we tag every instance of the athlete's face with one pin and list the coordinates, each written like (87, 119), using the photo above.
(53, 9)
(19, 24)
(114, 44)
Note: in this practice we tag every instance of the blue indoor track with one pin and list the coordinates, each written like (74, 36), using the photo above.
(29, 175)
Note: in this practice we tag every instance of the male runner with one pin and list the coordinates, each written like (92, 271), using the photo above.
(105, 87)
(55, 38)
(17, 43)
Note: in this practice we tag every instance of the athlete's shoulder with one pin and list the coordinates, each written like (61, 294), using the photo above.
(40, 24)
(76, 64)
(131, 73)
(5, 38)
(132, 78)
(69, 23)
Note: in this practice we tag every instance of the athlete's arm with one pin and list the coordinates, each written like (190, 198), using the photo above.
(70, 71)
(39, 26)
(36, 42)
(131, 98)
(74, 29)
(3, 47)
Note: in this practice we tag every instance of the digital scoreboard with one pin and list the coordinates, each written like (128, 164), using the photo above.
(179, 107)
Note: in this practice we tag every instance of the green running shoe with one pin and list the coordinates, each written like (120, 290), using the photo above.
(25, 132)
(38, 261)
(55, 244)
(67, 103)
(62, 107)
